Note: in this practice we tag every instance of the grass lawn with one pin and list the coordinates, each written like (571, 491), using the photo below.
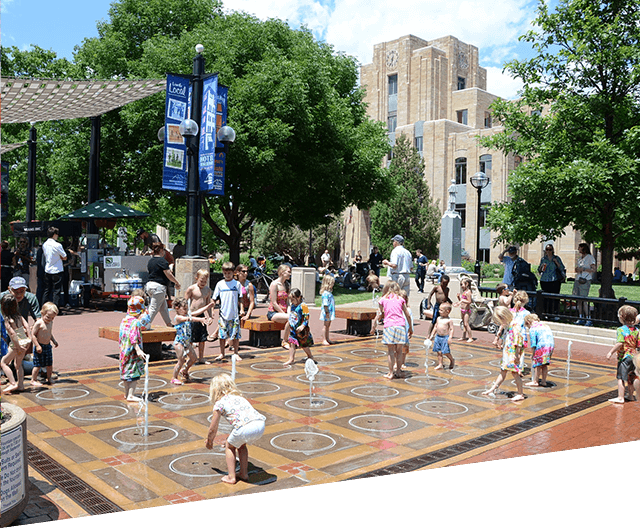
(344, 296)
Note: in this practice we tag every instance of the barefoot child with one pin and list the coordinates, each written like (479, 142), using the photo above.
(393, 309)
(299, 333)
(20, 338)
(248, 425)
(43, 332)
(247, 293)
(228, 291)
(464, 302)
(408, 322)
(627, 342)
(443, 333)
(199, 295)
(328, 308)
(182, 343)
(132, 357)
(541, 345)
(441, 291)
(514, 342)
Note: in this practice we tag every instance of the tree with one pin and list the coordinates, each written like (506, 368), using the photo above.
(305, 147)
(577, 127)
(409, 210)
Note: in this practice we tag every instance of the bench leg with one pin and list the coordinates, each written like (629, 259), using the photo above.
(264, 339)
(358, 327)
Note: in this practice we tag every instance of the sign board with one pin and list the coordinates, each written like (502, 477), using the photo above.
(174, 164)
(221, 120)
(12, 489)
(208, 131)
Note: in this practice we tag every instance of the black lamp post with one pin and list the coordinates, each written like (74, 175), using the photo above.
(189, 130)
(479, 181)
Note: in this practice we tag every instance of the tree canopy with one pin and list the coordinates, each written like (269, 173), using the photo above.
(408, 210)
(305, 147)
(577, 128)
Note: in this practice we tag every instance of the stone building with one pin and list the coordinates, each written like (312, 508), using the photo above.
(434, 92)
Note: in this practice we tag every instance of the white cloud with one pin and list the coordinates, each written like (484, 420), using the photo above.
(354, 26)
(502, 84)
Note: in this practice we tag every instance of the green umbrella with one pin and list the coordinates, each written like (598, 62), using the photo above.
(103, 209)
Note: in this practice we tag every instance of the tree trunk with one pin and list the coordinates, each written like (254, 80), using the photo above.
(234, 225)
(607, 249)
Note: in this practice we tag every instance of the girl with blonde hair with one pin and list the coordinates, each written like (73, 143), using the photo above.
(328, 307)
(248, 425)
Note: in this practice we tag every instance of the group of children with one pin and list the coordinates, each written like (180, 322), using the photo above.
(19, 337)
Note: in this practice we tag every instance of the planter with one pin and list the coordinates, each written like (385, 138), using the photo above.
(15, 475)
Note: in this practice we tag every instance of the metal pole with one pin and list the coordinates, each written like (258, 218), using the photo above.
(31, 178)
(194, 225)
(478, 266)
(94, 167)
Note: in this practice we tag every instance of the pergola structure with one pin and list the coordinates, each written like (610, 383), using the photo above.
(34, 100)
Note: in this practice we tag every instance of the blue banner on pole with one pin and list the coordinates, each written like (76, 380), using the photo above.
(174, 171)
(220, 157)
(208, 131)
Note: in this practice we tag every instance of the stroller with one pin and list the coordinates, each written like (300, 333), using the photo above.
(481, 309)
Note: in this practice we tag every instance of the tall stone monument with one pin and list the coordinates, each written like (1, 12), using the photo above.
(451, 234)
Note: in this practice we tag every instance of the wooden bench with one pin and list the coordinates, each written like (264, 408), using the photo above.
(358, 319)
(262, 332)
(151, 339)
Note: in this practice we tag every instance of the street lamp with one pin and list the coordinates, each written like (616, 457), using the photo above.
(189, 130)
(479, 181)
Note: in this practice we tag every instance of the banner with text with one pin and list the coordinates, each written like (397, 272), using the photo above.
(221, 120)
(174, 172)
(208, 131)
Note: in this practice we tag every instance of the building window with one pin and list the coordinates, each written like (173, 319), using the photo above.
(484, 255)
(485, 164)
(484, 209)
(487, 120)
(462, 83)
(461, 171)
(462, 116)
(419, 144)
(393, 84)
(392, 123)
(461, 209)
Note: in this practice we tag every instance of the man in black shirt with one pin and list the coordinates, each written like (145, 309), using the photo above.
(375, 260)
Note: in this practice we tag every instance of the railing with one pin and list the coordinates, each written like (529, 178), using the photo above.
(568, 308)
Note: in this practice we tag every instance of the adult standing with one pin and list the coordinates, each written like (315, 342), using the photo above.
(508, 257)
(54, 257)
(421, 269)
(28, 307)
(375, 260)
(400, 264)
(552, 275)
(325, 258)
(22, 259)
(585, 268)
(160, 277)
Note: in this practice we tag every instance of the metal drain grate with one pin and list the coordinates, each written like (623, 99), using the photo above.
(77, 489)
(428, 459)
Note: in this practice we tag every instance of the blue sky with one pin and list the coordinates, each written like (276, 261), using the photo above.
(352, 26)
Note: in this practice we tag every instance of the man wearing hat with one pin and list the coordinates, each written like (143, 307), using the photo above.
(400, 264)
(27, 302)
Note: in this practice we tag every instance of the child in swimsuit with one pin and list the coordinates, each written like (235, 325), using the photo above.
(464, 302)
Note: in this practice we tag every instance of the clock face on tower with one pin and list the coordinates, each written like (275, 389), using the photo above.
(463, 62)
(392, 59)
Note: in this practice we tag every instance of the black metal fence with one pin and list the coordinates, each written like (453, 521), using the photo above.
(568, 308)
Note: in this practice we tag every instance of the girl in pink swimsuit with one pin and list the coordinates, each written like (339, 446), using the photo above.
(465, 309)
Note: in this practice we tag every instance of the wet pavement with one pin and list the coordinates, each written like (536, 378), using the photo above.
(89, 455)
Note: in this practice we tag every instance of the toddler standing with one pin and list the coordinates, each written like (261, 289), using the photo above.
(183, 340)
(627, 341)
(248, 425)
(504, 299)
(132, 357)
(443, 333)
(541, 343)
(43, 332)
(328, 308)
(408, 323)
(299, 332)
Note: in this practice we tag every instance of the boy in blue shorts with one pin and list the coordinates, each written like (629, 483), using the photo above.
(443, 332)
(43, 332)
(228, 292)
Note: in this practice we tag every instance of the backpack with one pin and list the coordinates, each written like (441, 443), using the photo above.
(522, 274)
